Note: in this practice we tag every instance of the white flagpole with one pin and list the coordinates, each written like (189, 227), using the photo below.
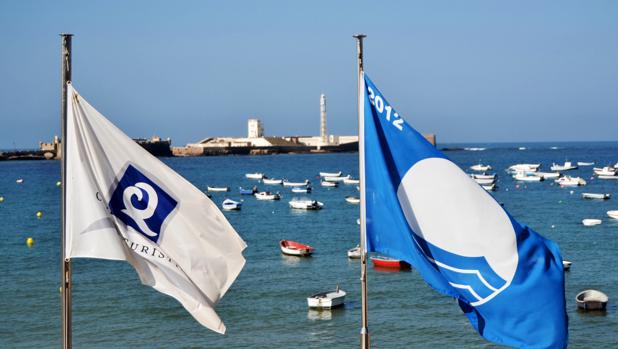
(365, 342)
(65, 263)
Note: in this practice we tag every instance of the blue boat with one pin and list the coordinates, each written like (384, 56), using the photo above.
(247, 191)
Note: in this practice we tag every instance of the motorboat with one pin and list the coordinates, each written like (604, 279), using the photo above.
(387, 262)
(19, 181)
(524, 168)
(547, 175)
(254, 175)
(328, 184)
(581, 163)
(604, 171)
(350, 180)
(613, 214)
(491, 187)
(568, 181)
(244, 191)
(327, 300)
(590, 222)
(293, 248)
(608, 177)
(598, 196)
(231, 205)
(336, 179)
(287, 183)
(352, 199)
(523, 177)
(266, 195)
(218, 189)
(480, 167)
(306, 204)
(566, 265)
(483, 176)
(591, 300)
(565, 167)
(354, 253)
(272, 181)
(483, 181)
(301, 190)
(330, 174)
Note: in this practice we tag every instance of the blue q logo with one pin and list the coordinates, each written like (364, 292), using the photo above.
(141, 204)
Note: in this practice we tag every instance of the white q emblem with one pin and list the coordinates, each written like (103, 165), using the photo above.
(140, 215)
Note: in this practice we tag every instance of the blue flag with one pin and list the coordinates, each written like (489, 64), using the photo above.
(423, 209)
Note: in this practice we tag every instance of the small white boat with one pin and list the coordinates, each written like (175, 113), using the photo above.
(581, 163)
(568, 181)
(475, 149)
(336, 179)
(483, 176)
(607, 177)
(352, 199)
(287, 183)
(483, 181)
(565, 167)
(301, 190)
(272, 181)
(547, 175)
(491, 187)
(354, 253)
(351, 181)
(330, 174)
(231, 205)
(566, 265)
(590, 222)
(327, 300)
(523, 177)
(522, 148)
(254, 175)
(604, 171)
(524, 168)
(591, 300)
(613, 214)
(328, 184)
(266, 195)
(217, 189)
(596, 196)
(480, 167)
(19, 181)
(306, 204)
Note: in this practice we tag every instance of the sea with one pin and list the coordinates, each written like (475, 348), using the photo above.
(266, 306)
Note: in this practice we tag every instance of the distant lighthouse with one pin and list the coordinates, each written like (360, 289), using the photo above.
(323, 134)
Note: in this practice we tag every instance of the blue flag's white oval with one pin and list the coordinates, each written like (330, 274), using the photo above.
(422, 208)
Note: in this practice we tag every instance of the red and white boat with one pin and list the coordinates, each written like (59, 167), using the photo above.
(387, 262)
(294, 248)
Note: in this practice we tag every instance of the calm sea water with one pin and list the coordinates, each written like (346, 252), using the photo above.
(266, 306)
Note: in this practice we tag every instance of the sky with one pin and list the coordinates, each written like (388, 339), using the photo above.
(468, 71)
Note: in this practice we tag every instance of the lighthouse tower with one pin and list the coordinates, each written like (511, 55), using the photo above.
(323, 134)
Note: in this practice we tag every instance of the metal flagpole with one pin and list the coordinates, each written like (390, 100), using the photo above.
(364, 344)
(65, 263)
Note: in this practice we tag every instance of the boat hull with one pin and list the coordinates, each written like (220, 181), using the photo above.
(326, 300)
(293, 248)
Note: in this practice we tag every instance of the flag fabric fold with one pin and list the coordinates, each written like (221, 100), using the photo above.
(122, 203)
(422, 208)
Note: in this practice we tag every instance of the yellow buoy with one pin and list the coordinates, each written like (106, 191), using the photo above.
(29, 242)
(39, 214)
(58, 183)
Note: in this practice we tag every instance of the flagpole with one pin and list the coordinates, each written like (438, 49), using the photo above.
(364, 339)
(65, 263)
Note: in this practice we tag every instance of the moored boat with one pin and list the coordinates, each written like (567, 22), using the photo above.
(293, 248)
(591, 300)
(523, 168)
(350, 180)
(491, 187)
(352, 199)
(306, 204)
(591, 221)
(218, 189)
(598, 196)
(565, 167)
(484, 181)
(613, 214)
(266, 195)
(354, 253)
(300, 190)
(604, 171)
(230, 205)
(387, 262)
(255, 175)
(328, 184)
(480, 167)
(327, 300)
(566, 265)
(336, 179)
(547, 175)
(330, 174)
(272, 181)
(287, 183)
(568, 181)
(483, 176)
(582, 163)
(608, 177)
(19, 180)
(244, 191)
(524, 177)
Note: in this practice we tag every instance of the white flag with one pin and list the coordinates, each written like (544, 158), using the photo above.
(125, 204)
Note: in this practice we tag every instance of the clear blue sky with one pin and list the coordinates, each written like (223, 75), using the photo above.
(470, 71)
